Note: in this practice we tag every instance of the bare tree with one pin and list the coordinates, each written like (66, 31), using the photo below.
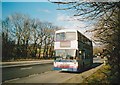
(42, 34)
(7, 41)
(34, 36)
(19, 27)
(27, 37)
(88, 10)
(109, 34)
(47, 32)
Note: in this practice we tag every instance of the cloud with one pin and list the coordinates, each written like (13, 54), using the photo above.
(63, 17)
(70, 22)
(47, 11)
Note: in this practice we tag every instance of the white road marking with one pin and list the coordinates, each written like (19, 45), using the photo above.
(25, 68)
(11, 80)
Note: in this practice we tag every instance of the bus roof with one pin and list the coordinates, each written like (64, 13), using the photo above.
(66, 30)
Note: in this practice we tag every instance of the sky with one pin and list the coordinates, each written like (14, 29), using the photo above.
(0, 10)
(44, 11)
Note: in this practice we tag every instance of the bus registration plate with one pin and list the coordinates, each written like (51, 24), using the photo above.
(64, 69)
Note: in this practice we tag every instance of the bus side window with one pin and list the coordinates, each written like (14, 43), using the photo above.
(80, 54)
(77, 55)
(83, 54)
(82, 57)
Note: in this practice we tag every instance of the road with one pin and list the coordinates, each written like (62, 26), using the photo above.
(23, 71)
(40, 73)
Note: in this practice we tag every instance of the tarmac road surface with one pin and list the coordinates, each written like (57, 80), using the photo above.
(50, 76)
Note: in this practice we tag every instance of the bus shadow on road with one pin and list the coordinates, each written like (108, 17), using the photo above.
(83, 70)
(93, 66)
(96, 64)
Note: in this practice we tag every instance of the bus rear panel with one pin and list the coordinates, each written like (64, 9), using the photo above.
(66, 65)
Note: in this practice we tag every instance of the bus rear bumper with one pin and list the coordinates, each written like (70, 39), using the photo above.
(66, 69)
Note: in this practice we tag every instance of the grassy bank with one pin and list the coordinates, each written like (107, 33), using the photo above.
(94, 76)
(100, 76)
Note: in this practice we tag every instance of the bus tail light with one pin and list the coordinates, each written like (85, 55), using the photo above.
(55, 64)
(76, 64)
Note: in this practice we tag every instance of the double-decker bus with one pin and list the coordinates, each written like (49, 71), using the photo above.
(73, 51)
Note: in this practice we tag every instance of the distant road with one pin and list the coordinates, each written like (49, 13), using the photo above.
(42, 71)
(98, 60)
(23, 63)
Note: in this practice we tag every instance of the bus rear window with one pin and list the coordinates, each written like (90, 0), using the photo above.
(70, 35)
(65, 52)
(60, 36)
(65, 36)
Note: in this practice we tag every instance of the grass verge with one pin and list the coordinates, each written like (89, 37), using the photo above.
(100, 76)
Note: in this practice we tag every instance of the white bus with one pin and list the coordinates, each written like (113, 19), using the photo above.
(73, 51)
